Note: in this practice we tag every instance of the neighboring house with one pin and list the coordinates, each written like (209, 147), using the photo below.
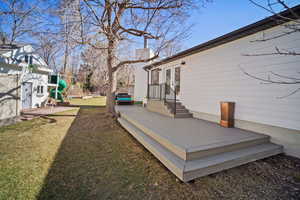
(205, 75)
(18, 59)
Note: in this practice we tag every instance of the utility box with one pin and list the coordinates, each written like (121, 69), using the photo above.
(227, 114)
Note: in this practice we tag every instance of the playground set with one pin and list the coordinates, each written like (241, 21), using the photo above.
(59, 85)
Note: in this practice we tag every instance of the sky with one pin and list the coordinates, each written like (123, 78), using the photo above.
(223, 16)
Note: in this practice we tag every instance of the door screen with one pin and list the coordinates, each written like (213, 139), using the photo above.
(168, 81)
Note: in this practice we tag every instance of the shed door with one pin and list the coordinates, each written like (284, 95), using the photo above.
(26, 95)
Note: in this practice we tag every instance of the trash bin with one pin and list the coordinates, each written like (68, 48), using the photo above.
(227, 114)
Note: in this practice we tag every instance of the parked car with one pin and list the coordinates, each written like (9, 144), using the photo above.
(124, 98)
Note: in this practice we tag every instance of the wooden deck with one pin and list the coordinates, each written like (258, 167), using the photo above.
(192, 148)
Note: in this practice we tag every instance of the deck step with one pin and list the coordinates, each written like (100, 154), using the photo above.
(223, 161)
(187, 170)
(197, 152)
(181, 111)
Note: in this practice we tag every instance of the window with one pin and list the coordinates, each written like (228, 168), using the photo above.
(30, 60)
(26, 59)
(40, 90)
(155, 77)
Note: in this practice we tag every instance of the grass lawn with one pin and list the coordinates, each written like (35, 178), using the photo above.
(84, 154)
(91, 102)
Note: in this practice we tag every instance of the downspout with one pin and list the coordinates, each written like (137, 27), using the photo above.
(17, 100)
(147, 84)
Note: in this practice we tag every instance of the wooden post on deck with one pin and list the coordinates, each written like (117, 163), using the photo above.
(227, 114)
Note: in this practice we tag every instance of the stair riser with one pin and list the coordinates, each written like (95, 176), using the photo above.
(177, 106)
(185, 115)
(172, 102)
(187, 176)
(180, 111)
(213, 151)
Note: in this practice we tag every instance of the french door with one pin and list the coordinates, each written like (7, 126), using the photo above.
(172, 80)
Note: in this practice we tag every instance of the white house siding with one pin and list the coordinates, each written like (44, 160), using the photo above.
(36, 80)
(140, 85)
(216, 75)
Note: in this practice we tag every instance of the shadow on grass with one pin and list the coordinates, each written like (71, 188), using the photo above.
(80, 160)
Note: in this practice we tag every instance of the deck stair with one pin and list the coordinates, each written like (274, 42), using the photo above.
(167, 108)
(194, 153)
(181, 111)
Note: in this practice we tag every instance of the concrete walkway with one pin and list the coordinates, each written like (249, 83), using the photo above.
(187, 133)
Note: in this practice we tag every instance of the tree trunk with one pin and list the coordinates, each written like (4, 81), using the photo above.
(66, 55)
(110, 96)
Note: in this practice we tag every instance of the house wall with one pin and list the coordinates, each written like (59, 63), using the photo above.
(9, 99)
(216, 75)
(140, 75)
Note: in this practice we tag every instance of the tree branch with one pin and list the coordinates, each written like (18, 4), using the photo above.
(133, 62)
(282, 52)
(269, 80)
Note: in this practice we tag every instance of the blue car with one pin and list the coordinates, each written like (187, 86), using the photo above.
(124, 98)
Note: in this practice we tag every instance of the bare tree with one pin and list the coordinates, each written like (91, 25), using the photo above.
(290, 21)
(68, 26)
(93, 69)
(172, 48)
(125, 78)
(18, 18)
(48, 48)
(111, 22)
